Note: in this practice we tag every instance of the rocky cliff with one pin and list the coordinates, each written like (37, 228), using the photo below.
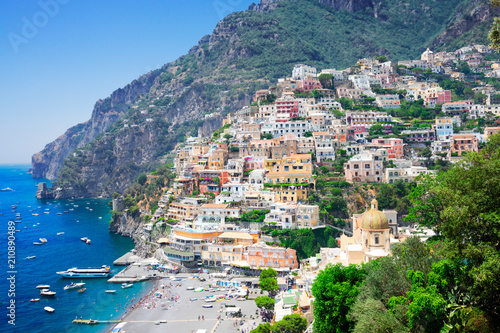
(132, 130)
(48, 162)
(470, 25)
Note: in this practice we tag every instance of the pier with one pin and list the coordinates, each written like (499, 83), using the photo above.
(127, 259)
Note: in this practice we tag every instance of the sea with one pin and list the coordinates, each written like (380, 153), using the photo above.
(75, 218)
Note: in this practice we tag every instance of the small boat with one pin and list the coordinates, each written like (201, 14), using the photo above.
(87, 241)
(110, 291)
(207, 306)
(125, 285)
(43, 240)
(84, 239)
(60, 233)
(36, 214)
(49, 309)
(47, 292)
(46, 212)
(13, 206)
(59, 213)
(73, 285)
(43, 286)
(7, 189)
(82, 290)
(65, 211)
(35, 300)
(37, 243)
(30, 257)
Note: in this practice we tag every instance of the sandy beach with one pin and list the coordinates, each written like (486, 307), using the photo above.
(171, 307)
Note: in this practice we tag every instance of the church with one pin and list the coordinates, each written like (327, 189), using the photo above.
(373, 232)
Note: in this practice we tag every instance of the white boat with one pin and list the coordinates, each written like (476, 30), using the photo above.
(60, 233)
(59, 213)
(43, 240)
(110, 291)
(7, 189)
(77, 273)
(37, 243)
(43, 286)
(87, 241)
(207, 306)
(35, 300)
(125, 285)
(47, 292)
(49, 309)
(84, 239)
(30, 257)
(46, 212)
(73, 285)
(36, 214)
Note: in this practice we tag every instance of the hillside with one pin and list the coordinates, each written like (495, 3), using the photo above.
(130, 131)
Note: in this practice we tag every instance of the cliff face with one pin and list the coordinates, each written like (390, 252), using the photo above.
(470, 25)
(48, 162)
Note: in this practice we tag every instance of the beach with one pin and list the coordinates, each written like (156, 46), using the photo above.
(171, 307)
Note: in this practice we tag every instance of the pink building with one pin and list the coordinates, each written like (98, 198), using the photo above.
(394, 146)
(309, 85)
(364, 167)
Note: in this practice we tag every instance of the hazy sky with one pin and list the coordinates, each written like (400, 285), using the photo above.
(58, 57)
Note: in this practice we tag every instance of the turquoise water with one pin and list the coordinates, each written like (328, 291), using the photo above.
(85, 218)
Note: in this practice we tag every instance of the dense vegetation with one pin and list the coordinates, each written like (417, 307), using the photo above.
(447, 284)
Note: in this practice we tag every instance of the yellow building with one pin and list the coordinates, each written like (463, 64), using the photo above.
(489, 131)
(295, 169)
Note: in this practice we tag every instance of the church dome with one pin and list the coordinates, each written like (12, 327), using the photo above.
(374, 218)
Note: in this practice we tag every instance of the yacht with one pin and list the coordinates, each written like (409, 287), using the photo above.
(49, 309)
(78, 273)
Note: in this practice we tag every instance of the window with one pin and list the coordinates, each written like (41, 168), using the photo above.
(376, 239)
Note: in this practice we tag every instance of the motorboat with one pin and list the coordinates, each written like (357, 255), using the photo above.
(125, 285)
(43, 240)
(36, 214)
(49, 309)
(81, 290)
(30, 257)
(190, 288)
(110, 291)
(37, 243)
(207, 305)
(35, 300)
(7, 189)
(73, 285)
(60, 233)
(87, 241)
(84, 239)
(47, 292)
(43, 286)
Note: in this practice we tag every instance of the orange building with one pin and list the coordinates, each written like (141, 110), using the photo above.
(261, 255)
(462, 143)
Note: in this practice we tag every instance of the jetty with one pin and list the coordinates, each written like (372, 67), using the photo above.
(127, 259)
(136, 272)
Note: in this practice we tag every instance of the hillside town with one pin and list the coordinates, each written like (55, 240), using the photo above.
(377, 122)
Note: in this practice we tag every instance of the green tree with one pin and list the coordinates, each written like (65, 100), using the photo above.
(371, 316)
(377, 130)
(268, 281)
(293, 323)
(265, 301)
(264, 136)
(382, 58)
(463, 206)
(142, 179)
(426, 152)
(308, 134)
(262, 328)
(326, 80)
(335, 289)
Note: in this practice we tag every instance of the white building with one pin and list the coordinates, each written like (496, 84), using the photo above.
(300, 72)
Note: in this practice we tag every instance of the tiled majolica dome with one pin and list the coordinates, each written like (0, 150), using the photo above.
(374, 218)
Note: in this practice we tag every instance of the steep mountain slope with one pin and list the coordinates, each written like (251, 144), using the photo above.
(471, 25)
(130, 131)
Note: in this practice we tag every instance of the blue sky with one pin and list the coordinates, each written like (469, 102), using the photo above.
(58, 57)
